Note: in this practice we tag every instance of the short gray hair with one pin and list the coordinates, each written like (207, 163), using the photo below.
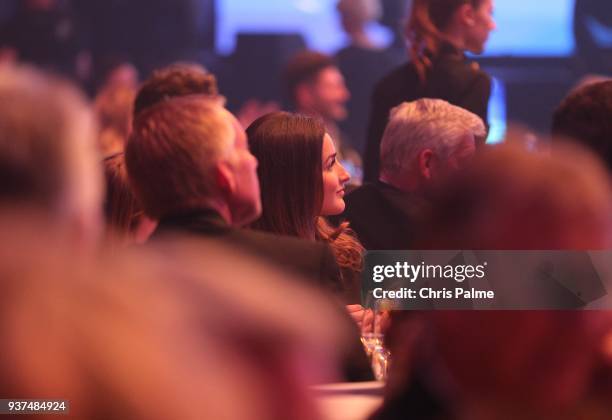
(426, 123)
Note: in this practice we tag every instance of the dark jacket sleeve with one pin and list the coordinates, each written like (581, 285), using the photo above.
(379, 115)
(476, 96)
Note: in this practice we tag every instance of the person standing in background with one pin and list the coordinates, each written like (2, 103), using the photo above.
(439, 33)
(316, 88)
(362, 63)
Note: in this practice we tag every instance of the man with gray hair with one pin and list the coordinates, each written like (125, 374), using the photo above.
(423, 142)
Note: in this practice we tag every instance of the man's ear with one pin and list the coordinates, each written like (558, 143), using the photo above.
(224, 178)
(425, 161)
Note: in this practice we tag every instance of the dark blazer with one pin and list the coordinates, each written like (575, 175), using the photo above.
(310, 259)
(383, 217)
(451, 77)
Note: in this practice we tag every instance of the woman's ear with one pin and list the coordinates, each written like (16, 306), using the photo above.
(224, 178)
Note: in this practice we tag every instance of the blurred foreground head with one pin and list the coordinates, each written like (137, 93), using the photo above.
(146, 337)
(505, 365)
(512, 199)
(48, 158)
(586, 117)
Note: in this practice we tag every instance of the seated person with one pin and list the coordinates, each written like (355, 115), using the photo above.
(302, 182)
(423, 141)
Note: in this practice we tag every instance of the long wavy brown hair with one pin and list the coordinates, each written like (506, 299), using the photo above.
(424, 32)
(288, 148)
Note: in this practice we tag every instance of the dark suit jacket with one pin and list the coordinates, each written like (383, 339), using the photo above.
(451, 78)
(383, 217)
(310, 259)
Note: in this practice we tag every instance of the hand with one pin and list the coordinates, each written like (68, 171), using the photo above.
(358, 313)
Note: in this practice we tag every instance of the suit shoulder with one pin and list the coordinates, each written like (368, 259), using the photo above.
(364, 193)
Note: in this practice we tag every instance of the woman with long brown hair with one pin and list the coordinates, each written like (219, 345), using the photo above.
(302, 182)
(439, 32)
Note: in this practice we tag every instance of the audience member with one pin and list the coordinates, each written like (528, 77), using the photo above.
(316, 87)
(301, 183)
(48, 158)
(423, 142)
(586, 117)
(439, 32)
(125, 219)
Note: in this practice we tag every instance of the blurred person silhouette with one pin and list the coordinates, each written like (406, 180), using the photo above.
(585, 116)
(177, 79)
(514, 364)
(362, 63)
(112, 335)
(48, 157)
(439, 33)
(316, 87)
(48, 34)
(126, 221)
(113, 107)
(301, 183)
(394, 16)
(559, 202)
(423, 142)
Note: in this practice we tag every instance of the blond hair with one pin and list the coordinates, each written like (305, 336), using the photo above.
(173, 150)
